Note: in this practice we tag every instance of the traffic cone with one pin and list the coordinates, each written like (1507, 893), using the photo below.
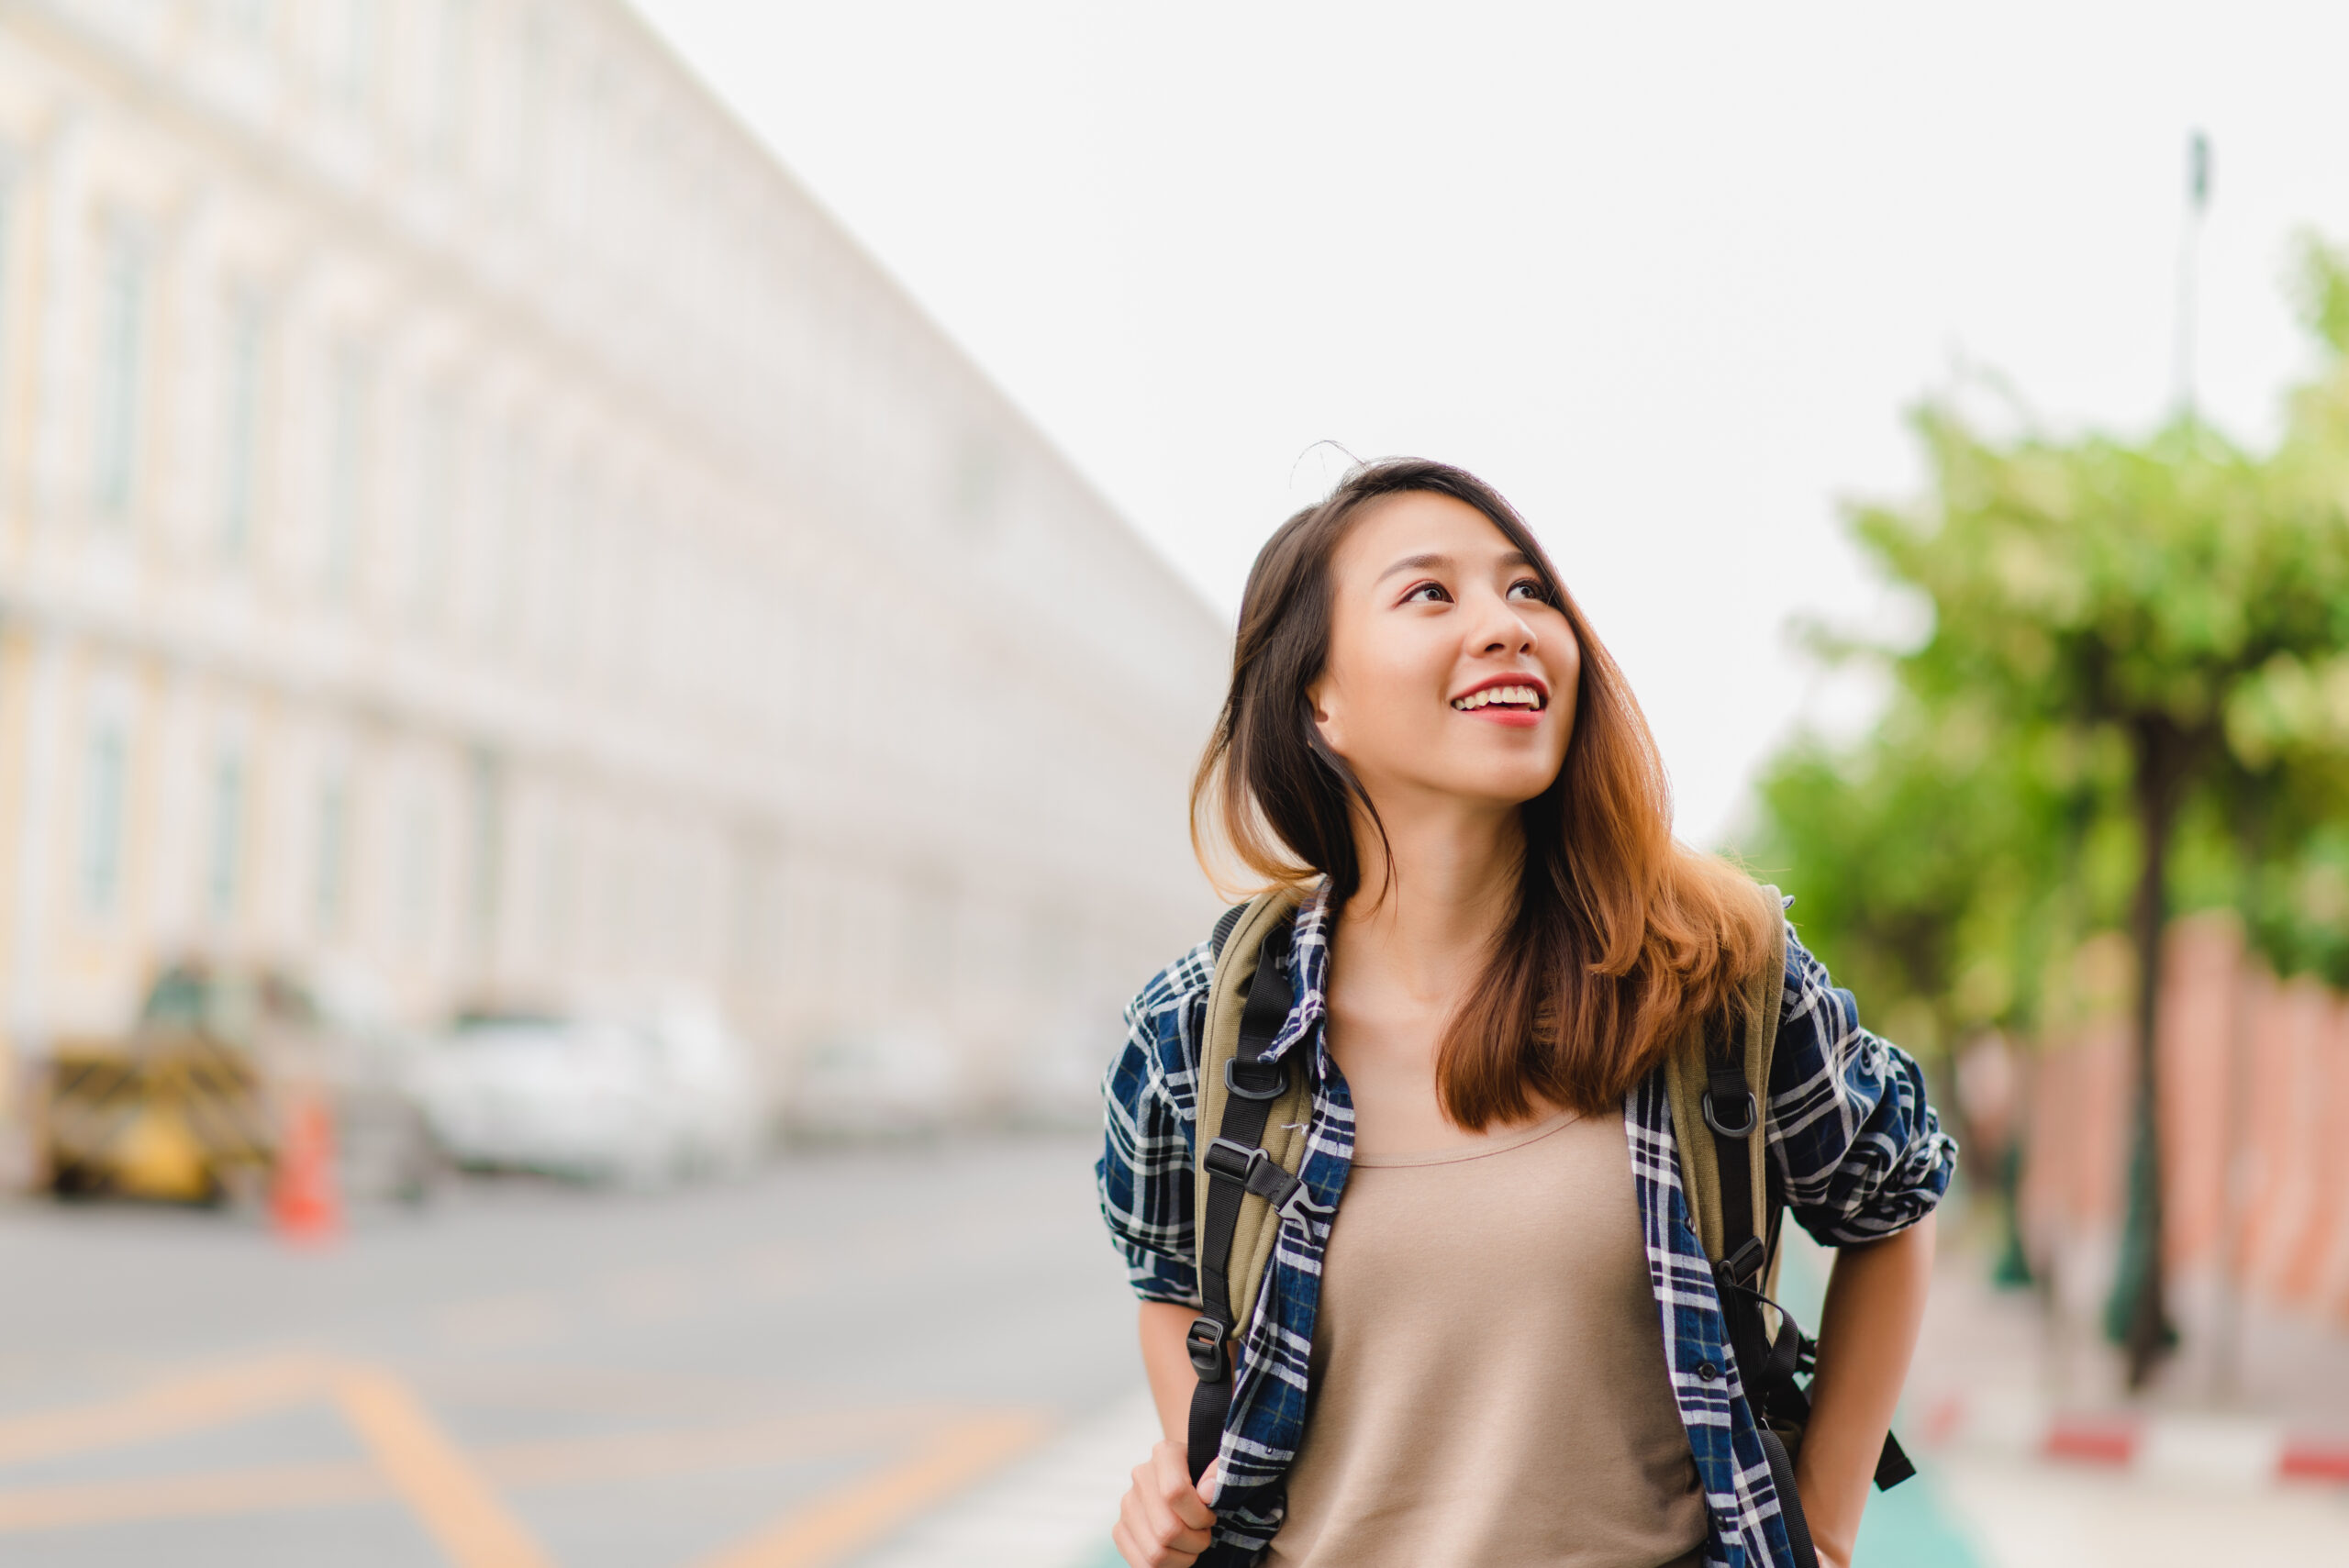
(304, 1205)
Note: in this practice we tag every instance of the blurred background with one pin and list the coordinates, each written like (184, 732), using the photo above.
(605, 612)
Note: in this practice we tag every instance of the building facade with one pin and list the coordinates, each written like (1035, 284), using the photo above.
(468, 517)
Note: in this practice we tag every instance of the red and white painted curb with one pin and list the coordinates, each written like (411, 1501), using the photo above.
(2245, 1450)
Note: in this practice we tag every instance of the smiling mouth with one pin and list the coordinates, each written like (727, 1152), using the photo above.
(1524, 699)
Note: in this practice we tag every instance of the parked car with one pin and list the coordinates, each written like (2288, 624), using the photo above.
(637, 1098)
(188, 1104)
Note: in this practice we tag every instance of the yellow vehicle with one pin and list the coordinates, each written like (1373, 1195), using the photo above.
(180, 1108)
(190, 1105)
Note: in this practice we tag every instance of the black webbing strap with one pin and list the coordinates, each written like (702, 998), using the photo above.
(1769, 1362)
(1223, 928)
(1236, 1166)
(1782, 1481)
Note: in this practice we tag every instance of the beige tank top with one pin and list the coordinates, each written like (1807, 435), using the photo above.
(1488, 1381)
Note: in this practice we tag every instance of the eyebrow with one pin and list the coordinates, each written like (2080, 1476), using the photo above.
(1421, 562)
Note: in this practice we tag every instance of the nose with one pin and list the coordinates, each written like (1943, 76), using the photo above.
(1501, 629)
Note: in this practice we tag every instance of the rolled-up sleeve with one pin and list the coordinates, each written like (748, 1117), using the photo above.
(1856, 1140)
(1144, 1171)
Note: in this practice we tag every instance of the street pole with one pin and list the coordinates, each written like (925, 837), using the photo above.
(2189, 243)
(2136, 1313)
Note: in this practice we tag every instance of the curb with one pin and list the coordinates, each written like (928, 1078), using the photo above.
(2239, 1451)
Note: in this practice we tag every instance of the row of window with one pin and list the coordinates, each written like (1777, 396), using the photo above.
(225, 858)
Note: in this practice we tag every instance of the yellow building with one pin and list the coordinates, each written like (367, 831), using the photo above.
(466, 515)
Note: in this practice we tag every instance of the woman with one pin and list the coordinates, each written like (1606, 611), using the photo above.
(1484, 1350)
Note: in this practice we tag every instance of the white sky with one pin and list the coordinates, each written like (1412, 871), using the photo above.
(1668, 275)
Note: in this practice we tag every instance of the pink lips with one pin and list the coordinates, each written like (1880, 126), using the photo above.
(1509, 718)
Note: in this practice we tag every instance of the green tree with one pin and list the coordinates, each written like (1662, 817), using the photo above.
(2123, 634)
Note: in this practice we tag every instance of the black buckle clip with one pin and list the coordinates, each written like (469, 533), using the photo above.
(1257, 1175)
(1744, 1129)
(1235, 1161)
(1205, 1342)
(1745, 1262)
(1231, 1064)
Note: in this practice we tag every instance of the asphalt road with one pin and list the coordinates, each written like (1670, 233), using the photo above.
(788, 1371)
(901, 1358)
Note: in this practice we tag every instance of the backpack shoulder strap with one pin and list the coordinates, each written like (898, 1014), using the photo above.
(1721, 1085)
(1246, 1148)
(1717, 1080)
(1223, 927)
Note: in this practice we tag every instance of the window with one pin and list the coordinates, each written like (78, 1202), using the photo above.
(431, 496)
(241, 425)
(558, 893)
(530, 109)
(122, 291)
(247, 21)
(223, 874)
(102, 815)
(334, 834)
(488, 848)
(450, 80)
(516, 496)
(347, 400)
(419, 842)
(353, 63)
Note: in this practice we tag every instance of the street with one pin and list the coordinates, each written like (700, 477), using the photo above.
(783, 1371)
(871, 1358)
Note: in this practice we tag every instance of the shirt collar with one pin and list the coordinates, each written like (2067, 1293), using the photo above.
(1308, 971)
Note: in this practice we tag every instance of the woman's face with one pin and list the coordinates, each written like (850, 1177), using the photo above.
(1449, 674)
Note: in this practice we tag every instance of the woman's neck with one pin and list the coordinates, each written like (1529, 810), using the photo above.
(1429, 925)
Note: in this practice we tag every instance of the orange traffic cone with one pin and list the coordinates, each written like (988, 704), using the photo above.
(303, 1204)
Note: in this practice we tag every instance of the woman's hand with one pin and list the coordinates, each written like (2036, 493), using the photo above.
(1164, 1520)
(1875, 1300)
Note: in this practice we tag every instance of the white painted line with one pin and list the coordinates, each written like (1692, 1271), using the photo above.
(2239, 1452)
(1052, 1511)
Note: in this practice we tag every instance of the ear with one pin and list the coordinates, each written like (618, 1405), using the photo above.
(1322, 698)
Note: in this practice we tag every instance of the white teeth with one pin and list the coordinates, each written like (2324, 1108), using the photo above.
(1523, 697)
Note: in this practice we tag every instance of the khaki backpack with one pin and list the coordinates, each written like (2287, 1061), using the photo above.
(1238, 938)
(1250, 1143)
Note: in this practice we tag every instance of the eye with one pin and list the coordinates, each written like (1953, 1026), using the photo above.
(1529, 588)
(1426, 594)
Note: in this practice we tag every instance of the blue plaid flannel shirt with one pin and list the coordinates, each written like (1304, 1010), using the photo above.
(1860, 1151)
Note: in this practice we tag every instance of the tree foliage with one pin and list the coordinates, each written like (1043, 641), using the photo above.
(2138, 665)
(2100, 607)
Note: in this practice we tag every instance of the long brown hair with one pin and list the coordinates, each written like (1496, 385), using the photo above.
(1621, 938)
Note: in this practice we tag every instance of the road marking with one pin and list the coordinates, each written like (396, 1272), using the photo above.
(260, 1490)
(634, 1456)
(452, 1500)
(1053, 1509)
(207, 1399)
(539, 1464)
(829, 1528)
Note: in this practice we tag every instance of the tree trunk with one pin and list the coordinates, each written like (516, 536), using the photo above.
(2138, 1313)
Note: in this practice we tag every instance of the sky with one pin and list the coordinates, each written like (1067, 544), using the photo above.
(1672, 277)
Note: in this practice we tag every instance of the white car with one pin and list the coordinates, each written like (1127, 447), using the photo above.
(637, 1098)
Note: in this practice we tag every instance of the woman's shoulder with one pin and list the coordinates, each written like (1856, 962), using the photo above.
(1164, 1015)
(1817, 1019)
(1179, 984)
(1853, 1127)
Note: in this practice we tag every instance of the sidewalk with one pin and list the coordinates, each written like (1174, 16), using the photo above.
(1997, 1369)
(2041, 1460)
(2000, 1484)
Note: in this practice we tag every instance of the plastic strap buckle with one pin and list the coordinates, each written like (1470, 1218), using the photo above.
(1204, 1340)
(1255, 1170)
(1745, 1128)
(1745, 1262)
(1232, 1067)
